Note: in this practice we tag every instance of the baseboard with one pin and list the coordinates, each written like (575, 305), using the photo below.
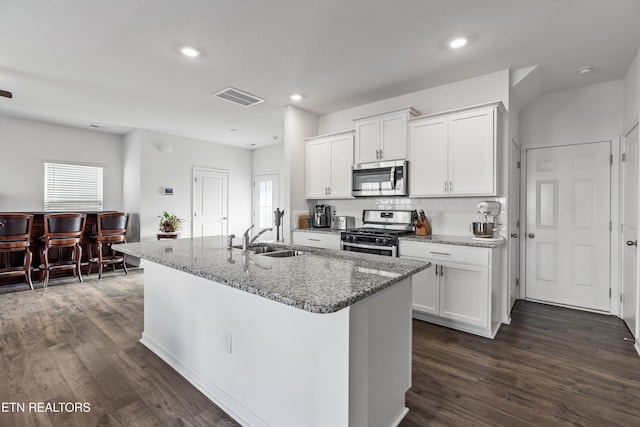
(400, 417)
(227, 403)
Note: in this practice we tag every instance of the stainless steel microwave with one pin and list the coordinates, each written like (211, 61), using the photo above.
(380, 179)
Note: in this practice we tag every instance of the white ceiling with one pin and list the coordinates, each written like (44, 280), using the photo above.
(115, 63)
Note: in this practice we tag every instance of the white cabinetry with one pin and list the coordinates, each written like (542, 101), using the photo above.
(329, 161)
(316, 240)
(383, 137)
(455, 153)
(459, 290)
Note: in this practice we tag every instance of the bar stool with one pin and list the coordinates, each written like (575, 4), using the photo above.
(62, 230)
(15, 236)
(112, 228)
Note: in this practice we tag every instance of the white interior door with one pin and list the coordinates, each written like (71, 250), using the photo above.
(266, 198)
(209, 202)
(568, 220)
(514, 224)
(630, 228)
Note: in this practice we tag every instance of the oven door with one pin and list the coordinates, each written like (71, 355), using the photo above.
(370, 249)
(380, 179)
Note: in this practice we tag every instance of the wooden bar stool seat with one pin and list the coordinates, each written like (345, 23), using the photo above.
(15, 236)
(112, 229)
(61, 231)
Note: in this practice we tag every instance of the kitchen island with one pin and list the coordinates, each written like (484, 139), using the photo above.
(323, 338)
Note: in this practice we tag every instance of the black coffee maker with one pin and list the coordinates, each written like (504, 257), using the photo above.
(321, 216)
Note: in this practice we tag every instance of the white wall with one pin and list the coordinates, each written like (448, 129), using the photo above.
(576, 115)
(632, 95)
(26, 144)
(168, 161)
(463, 93)
(298, 125)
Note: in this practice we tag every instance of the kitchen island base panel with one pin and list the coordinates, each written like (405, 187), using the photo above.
(267, 363)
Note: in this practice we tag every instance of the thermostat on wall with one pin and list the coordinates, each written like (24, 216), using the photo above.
(168, 191)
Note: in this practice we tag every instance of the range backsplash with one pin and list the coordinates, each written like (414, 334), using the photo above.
(448, 216)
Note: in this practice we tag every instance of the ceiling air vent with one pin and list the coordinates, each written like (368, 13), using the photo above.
(238, 97)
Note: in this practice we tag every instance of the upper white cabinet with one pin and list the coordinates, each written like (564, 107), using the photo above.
(455, 153)
(383, 136)
(329, 161)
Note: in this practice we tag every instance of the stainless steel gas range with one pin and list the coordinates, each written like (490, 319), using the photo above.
(379, 233)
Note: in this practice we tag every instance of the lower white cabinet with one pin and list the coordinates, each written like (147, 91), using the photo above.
(316, 239)
(459, 290)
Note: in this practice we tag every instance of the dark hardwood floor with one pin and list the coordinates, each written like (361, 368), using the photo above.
(78, 342)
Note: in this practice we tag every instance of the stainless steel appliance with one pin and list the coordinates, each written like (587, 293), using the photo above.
(380, 179)
(343, 222)
(321, 216)
(379, 234)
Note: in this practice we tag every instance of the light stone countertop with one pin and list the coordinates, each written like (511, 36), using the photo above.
(320, 281)
(455, 240)
(320, 230)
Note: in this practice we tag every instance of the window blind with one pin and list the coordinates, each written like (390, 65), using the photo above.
(72, 187)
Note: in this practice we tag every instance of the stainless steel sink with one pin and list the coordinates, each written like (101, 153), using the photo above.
(283, 253)
(273, 251)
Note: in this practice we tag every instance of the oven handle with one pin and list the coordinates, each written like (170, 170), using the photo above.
(393, 249)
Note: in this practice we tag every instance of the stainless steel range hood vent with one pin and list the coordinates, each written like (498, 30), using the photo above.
(238, 97)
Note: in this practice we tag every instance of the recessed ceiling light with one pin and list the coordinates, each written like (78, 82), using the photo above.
(296, 97)
(457, 43)
(190, 51)
(585, 70)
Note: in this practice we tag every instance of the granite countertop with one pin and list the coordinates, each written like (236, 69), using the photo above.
(320, 281)
(455, 240)
(320, 230)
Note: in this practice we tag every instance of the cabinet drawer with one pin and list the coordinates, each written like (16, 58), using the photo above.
(316, 240)
(453, 253)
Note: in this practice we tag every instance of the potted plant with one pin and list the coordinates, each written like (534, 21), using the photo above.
(170, 223)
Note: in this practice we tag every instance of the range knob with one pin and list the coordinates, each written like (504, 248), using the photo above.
(385, 241)
(378, 240)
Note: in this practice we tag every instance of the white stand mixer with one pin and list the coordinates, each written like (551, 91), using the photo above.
(485, 230)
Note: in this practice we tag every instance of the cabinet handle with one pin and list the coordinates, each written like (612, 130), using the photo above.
(313, 240)
(441, 270)
(450, 186)
(514, 235)
(436, 269)
(531, 235)
(380, 153)
(439, 253)
(632, 243)
(445, 186)
(329, 190)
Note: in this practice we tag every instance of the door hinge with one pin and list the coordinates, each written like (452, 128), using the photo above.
(610, 159)
(518, 166)
(621, 299)
(609, 293)
(610, 226)
(518, 224)
(195, 179)
(517, 282)
(623, 157)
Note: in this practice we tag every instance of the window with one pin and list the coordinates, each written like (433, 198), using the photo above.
(72, 187)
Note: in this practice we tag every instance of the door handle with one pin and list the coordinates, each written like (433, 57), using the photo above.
(514, 235)
(531, 235)
(632, 243)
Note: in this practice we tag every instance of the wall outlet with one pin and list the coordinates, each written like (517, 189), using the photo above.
(226, 341)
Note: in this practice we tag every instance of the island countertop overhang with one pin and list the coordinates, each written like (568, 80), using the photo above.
(321, 281)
